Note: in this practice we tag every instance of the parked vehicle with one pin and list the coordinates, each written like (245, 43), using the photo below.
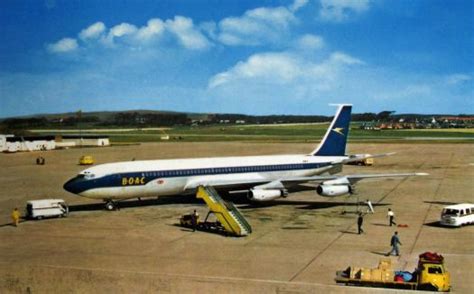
(457, 215)
(430, 275)
(363, 161)
(86, 160)
(38, 209)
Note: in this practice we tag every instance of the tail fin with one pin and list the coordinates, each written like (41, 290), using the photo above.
(335, 139)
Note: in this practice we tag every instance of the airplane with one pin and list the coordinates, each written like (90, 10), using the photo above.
(264, 178)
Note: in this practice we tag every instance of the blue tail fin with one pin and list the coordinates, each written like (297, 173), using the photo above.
(334, 142)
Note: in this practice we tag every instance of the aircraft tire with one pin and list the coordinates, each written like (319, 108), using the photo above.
(110, 206)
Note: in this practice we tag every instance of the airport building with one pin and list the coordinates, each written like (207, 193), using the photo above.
(82, 141)
(10, 143)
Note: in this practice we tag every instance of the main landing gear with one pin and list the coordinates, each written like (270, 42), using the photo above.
(111, 205)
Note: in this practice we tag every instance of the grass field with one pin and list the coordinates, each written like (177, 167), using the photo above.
(274, 133)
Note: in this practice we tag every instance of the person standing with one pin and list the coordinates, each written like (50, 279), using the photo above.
(394, 242)
(194, 219)
(391, 217)
(360, 221)
(16, 217)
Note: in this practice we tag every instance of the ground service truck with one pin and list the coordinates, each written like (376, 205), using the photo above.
(430, 275)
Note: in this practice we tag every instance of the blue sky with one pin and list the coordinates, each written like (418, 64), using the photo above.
(252, 57)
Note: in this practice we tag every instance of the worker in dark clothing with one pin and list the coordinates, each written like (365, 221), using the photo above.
(194, 219)
(394, 242)
(360, 221)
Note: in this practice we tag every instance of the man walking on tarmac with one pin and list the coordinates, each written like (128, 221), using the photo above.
(360, 221)
(391, 216)
(394, 242)
(16, 217)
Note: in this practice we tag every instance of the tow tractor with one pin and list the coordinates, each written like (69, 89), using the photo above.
(430, 275)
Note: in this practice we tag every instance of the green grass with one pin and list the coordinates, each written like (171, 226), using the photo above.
(287, 133)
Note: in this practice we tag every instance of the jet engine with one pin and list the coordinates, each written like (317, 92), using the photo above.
(333, 190)
(262, 195)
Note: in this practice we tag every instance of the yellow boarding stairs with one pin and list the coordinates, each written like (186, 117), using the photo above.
(228, 215)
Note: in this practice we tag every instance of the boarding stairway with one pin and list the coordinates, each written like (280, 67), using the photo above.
(228, 215)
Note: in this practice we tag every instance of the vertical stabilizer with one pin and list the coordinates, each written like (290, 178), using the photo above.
(335, 139)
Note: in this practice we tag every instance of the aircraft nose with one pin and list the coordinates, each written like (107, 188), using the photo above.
(74, 185)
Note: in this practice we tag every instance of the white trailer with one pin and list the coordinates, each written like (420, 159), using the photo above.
(38, 209)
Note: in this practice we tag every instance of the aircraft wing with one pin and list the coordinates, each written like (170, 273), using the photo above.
(261, 183)
(351, 179)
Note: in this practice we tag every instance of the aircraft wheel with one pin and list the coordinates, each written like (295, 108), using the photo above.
(110, 206)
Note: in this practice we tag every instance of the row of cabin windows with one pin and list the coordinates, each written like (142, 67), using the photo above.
(241, 169)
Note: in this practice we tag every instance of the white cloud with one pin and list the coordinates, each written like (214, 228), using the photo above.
(256, 26)
(133, 37)
(119, 31)
(187, 34)
(456, 79)
(62, 46)
(283, 68)
(341, 10)
(342, 58)
(154, 28)
(279, 67)
(297, 4)
(310, 41)
(93, 31)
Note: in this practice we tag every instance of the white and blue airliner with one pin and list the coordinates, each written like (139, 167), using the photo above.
(265, 178)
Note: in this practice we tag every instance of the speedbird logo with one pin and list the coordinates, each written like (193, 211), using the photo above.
(339, 131)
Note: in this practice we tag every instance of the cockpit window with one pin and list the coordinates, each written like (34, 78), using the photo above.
(88, 175)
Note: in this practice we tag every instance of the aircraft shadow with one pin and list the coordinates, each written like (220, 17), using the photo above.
(163, 200)
(239, 199)
(441, 202)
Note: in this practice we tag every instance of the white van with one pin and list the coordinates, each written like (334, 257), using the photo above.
(38, 209)
(457, 215)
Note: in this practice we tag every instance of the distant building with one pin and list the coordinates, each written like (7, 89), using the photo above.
(3, 142)
(82, 141)
(10, 143)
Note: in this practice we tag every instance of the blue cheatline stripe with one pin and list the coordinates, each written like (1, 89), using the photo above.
(142, 178)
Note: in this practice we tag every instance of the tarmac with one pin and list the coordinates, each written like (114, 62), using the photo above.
(297, 245)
